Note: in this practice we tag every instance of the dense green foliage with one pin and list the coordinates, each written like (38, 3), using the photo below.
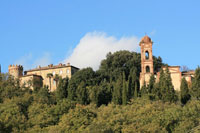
(185, 96)
(196, 84)
(106, 100)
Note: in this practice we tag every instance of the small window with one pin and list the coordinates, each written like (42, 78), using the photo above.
(146, 55)
(68, 71)
(61, 71)
(54, 73)
(147, 69)
(54, 82)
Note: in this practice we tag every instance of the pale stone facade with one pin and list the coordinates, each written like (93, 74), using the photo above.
(40, 74)
(175, 74)
(147, 67)
(31, 81)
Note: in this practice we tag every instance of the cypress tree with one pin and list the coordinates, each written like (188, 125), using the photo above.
(185, 96)
(170, 92)
(161, 84)
(196, 84)
(136, 90)
(124, 91)
(151, 87)
(135, 81)
(61, 91)
(82, 94)
(151, 84)
(117, 92)
(166, 89)
(143, 90)
(130, 88)
(43, 95)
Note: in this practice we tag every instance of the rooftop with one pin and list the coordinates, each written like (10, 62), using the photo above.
(146, 39)
(51, 66)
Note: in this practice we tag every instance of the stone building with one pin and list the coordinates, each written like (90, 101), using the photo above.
(15, 70)
(147, 67)
(40, 74)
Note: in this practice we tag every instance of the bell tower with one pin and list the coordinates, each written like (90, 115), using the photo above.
(146, 60)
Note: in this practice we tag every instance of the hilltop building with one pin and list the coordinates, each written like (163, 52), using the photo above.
(147, 67)
(46, 75)
(42, 75)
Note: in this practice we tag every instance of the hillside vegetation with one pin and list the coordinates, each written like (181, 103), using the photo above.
(107, 100)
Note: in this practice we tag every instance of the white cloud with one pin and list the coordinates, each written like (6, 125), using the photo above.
(91, 49)
(94, 46)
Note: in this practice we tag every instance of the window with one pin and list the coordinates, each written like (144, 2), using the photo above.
(54, 73)
(68, 71)
(54, 82)
(146, 55)
(61, 72)
(147, 69)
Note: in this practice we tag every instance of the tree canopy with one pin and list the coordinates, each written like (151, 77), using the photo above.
(106, 100)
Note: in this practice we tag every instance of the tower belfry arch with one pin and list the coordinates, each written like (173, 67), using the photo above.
(146, 60)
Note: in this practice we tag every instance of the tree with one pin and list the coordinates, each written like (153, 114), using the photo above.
(82, 94)
(164, 90)
(11, 116)
(104, 94)
(117, 92)
(9, 87)
(77, 120)
(196, 84)
(157, 63)
(185, 96)
(184, 68)
(148, 90)
(49, 75)
(40, 115)
(0, 77)
(136, 90)
(43, 95)
(119, 62)
(151, 88)
(133, 80)
(62, 89)
(130, 88)
(151, 84)
(85, 76)
(124, 91)
(167, 89)
(56, 78)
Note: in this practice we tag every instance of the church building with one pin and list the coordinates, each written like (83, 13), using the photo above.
(147, 67)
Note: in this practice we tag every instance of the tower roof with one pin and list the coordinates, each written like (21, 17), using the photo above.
(146, 39)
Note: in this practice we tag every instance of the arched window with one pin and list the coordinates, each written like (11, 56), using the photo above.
(147, 69)
(146, 55)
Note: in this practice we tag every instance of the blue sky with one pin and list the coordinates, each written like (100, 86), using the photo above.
(34, 32)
